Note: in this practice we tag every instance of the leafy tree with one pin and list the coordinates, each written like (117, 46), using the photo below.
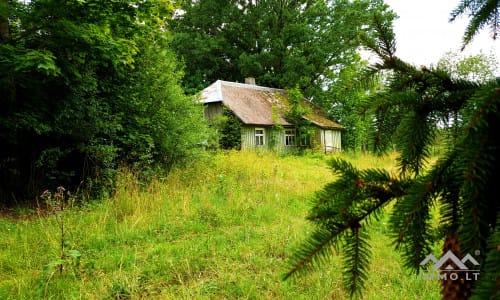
(461, 183)
(228, 127)
(348, 106)
(480, 67)
(88, 85)
(281, 43)
(166, 125)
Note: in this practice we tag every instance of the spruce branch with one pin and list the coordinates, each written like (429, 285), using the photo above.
(356, 260)
(477, 166)
(489, 285)
(339, 218)
(314, 251)
(482, 13)
(411, 222)
(447, 188)
(415, 135)
(461, 182)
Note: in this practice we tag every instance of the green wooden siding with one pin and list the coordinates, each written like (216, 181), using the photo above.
(274, 138)
(247, 137)
(326, 140)
(212, 110)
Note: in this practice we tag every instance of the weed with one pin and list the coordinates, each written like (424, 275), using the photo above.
(192, 235)
(58, 202)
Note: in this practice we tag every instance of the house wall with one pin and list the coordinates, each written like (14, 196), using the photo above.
(327, 140)
(274, 138)
(247, 137)
(212, 110)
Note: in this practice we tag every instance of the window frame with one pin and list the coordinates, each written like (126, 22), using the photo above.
(290, 137)
(260, 138)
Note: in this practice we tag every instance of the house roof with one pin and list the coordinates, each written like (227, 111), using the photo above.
(258, 105)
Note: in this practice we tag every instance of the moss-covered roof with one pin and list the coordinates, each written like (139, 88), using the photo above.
(258, 105)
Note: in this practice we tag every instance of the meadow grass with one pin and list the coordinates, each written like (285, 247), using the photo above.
(220, 228)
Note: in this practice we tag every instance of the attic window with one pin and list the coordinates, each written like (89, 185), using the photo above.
(289, 137)
(259, 137)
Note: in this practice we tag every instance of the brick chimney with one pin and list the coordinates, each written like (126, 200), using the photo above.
(250, 80)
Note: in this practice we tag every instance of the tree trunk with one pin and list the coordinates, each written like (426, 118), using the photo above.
(455, 288)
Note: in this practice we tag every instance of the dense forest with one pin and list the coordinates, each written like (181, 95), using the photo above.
(88, 87)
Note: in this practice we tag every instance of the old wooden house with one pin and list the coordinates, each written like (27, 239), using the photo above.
(261, 112)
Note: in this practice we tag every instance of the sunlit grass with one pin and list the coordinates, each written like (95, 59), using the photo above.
(220, 228)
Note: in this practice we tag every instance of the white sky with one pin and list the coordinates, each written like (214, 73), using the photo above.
(424, 35)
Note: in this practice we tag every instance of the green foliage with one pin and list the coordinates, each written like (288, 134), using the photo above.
(407, 114)
(482, 12)
(88, 85)
(488, 286)
(216, 229)
(282, 44)
(166, 126)
(228, 127)
(480, 67)
(347, 106)
(340, 217)
(296, 113)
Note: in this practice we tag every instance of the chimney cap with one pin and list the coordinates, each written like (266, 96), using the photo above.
(250, 80)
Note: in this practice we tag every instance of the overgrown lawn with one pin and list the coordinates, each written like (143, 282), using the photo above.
(220, 228)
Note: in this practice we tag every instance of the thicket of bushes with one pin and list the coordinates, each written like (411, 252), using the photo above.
(87, 86)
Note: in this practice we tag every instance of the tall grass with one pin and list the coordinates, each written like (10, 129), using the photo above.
(220, 228)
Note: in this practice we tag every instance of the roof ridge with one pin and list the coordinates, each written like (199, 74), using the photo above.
(250, 86)
(218, 87)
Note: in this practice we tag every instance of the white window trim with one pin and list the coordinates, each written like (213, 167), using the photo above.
(290, 136)
(263, 135)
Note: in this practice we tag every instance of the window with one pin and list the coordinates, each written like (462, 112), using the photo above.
(305, 138)
(289, 137)
(259, 137)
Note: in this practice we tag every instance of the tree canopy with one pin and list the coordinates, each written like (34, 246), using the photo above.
(281, 43)
(480, 67)
(348, 106)
(88, 86)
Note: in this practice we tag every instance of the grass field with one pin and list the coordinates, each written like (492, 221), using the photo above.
(221, 228)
